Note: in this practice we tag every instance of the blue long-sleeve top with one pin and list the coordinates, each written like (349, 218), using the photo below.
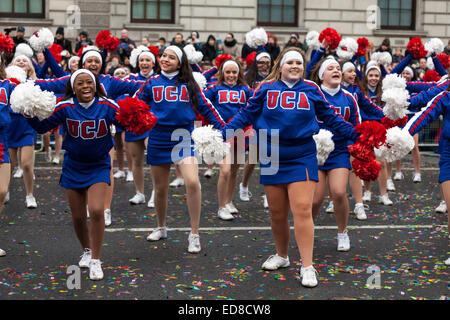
(369, 111)
(402, 64)
(292, 111)
(172, 105)
(420, 100)
(318, 54)
(6, 88)
(57, 70)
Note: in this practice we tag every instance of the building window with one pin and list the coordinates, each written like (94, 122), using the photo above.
(278, 12)
(153, 11)
(398, 14)
(22, 8)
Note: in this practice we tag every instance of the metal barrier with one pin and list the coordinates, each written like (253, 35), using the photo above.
(429, 136)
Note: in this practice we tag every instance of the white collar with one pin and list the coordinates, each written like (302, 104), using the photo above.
(345, 84)
(290, 84)
(86, 104)
(148, 75)
(373, 89)
(170, 75)
(330, 91)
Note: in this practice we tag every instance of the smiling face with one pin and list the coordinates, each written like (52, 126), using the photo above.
(292, 70)
(349, 75)
(145, 64)
(93, 64)
(373, 77)
(263, 65)
(332, 76)
(84, 88)
(407, 75)
(22, 63)
(74, 63)
(231, 74)
(169, 61)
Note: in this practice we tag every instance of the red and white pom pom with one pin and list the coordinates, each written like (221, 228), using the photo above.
(42, 39)
(416, 47)
(347, 48)
(331, 36)
(398, 144)
(193, 56)
(6, 43)
(135, 116)
(31, 101)
(16, 73)
(256, 37)
(324, 145)
(200, 79)
(312, 40)
(209, 144)
(434, 45)
(383, 58)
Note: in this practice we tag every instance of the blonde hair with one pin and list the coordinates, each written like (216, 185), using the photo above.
(31, 73)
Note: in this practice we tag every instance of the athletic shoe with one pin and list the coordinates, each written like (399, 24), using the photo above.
(177, 183)
(31, 201)
(208, 173)
(367, 196)
(265, 203)
(447, 262)
(6, 198)
(138, 198)
(398, 176)
(225, 214)
(442, 208)
(343, 241)
(85, 258)
(157, 234)
(151, 202)
(244, 194)
(417, 178)
(194, 243)
(87, 211)
(275, 262)
(48, 156)
(119, 174)
(231, 207)
(129, 177)
(384, 199)
(95, 270)
(18, 173)
(390, 185)
(360, 211)
(330, 208)
(309, 278)
(2, 253)
(107, 217)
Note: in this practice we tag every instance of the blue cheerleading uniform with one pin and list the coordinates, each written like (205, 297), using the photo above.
(369, 111)
(87, 142)
(169, 141)
(6, 87)
(288, 116)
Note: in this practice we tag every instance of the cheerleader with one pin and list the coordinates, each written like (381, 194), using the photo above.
(229, 94)
(86, 115)
(437, 106)
(289, 104)
(172, 97)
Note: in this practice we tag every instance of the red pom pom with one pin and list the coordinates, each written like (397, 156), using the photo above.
(80, 51)
(373, 133)
(250, 58)
(56, 50)
(363, 43)
(14, 80)
(361, 152)
(105, 40)
(2, 152)
(135, 116)
(6, 43)
(388, 123)
(367, 171)
(431, 76)
(154, 50)
(331, 36)
(222, 58)
(444, 59)
(416, 47)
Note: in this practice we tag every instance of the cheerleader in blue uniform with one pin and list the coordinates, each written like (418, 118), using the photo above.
(286, 106)
(86, 115)
(172, 97)
(229, 95)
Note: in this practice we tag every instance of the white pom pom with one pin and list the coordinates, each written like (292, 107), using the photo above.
(434, 45)
(135, 54)
(24, 49)
(256, 37)
(312, 40)
(394, 80)
(193, 56)
(324, 145)
(430, 63)
(16, 72)
(209, 144)
(347, 48)
(398, 144)
(43, 39)
(30, 100)
(383, 58)
(396, 103)
(200, 79)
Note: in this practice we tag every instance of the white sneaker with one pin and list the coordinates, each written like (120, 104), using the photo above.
(194, 243)
(265, 203)
(85, 258)
(87, 211)
(7, 197)
(158, 234)
(390, 185)
(177, 183)
(2, 253)
(225, 214)
(48, 156)
(95, 270)
(384, 199)
(107, 217)
(151, 202)
(208, 173)
(138, 198)
(360, 211)
(367, 196)
(55, 160)
(231, 207)
(398, 176)
(447, 262)
(129, 176)
(309, 278)
(417, 178)
(119, 174)
(244, 194)
(330, 208)
(31, 201)
(18, 173)
(442, 208)
(343, 241)
(275, 262)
